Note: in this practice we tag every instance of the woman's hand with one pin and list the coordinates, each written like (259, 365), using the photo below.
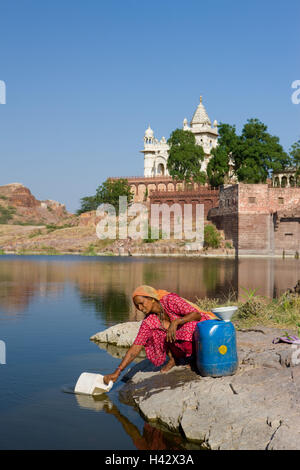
(171, 332)
(131, 354)
(109, 377)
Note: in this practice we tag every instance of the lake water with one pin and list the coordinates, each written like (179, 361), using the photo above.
(49, 308)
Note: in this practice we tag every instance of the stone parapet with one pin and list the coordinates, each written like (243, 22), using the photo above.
(258, 218)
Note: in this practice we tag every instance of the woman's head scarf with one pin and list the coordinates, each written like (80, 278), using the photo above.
(157, 294)
(148, 291)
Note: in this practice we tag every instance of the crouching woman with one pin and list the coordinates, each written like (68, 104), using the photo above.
(167, 329)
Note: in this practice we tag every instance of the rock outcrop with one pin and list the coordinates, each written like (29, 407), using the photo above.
(121, 335)
(25, 208)
(257, 408)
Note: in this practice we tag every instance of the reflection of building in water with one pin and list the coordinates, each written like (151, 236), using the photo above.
(106, 286)
(271, 276)
(191, 279)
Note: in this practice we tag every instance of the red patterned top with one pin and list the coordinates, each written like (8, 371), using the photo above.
(152, 335)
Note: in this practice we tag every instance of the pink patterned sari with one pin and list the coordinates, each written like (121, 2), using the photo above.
(152, 335)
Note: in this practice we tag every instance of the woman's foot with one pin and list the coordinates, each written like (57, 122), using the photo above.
(168, 366)
(187, 366)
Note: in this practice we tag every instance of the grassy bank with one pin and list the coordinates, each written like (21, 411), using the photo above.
(255, 310)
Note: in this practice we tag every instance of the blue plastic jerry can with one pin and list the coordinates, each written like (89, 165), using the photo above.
(216, 350)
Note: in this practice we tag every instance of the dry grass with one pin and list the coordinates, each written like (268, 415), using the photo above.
(254, 310)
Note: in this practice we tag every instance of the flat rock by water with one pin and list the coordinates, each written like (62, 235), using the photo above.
(257, 408)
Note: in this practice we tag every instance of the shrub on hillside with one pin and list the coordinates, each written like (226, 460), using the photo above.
(6, 214)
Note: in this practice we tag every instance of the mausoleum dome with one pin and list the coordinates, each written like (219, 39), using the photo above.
(149, 132)
(200, 115)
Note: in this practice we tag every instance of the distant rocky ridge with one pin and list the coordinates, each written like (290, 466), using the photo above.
(23, 208)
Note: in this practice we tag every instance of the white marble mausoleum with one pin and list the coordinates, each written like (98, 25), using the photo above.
(156, 152)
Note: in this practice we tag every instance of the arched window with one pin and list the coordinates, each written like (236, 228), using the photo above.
(276, 182)
(161, 169)
(284, 182)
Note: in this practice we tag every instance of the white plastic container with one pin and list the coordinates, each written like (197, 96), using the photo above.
(92, 384)
(224, 313)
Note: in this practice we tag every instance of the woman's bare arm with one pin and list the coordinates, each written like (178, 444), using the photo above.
(171, 332)
(131, 354)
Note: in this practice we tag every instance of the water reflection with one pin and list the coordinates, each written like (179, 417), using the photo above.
(106, 285)
(66, 300)
(21, 281)
(151, 438)
(113, 304)
(271, 276)
(118, 352)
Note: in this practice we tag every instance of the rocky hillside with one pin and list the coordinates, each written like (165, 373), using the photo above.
(19, 207)
(28, 225)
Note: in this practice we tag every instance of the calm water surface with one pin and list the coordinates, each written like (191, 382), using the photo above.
(49, 308)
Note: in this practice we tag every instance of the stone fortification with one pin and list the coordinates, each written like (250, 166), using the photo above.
(259, 219)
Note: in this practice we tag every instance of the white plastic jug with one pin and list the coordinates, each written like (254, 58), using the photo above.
(92, 384)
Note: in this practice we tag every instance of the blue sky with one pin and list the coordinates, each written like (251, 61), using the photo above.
(84, 79)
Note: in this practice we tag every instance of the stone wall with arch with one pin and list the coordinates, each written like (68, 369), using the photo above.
(209, 197)
(147, 188)
(285, 179)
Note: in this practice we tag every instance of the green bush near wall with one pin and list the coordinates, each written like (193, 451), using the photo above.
(212, 238)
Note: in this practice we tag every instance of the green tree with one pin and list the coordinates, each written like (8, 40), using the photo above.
(257, 152)
(185, 157)
(88, 203)
(218, 165)
(295, 158)
(109, 193)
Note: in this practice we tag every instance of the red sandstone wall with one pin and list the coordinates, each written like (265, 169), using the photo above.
(287, 237)
(257, 233)
(245, 213)
(206, 196)
(140, 184)
(260, 198)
